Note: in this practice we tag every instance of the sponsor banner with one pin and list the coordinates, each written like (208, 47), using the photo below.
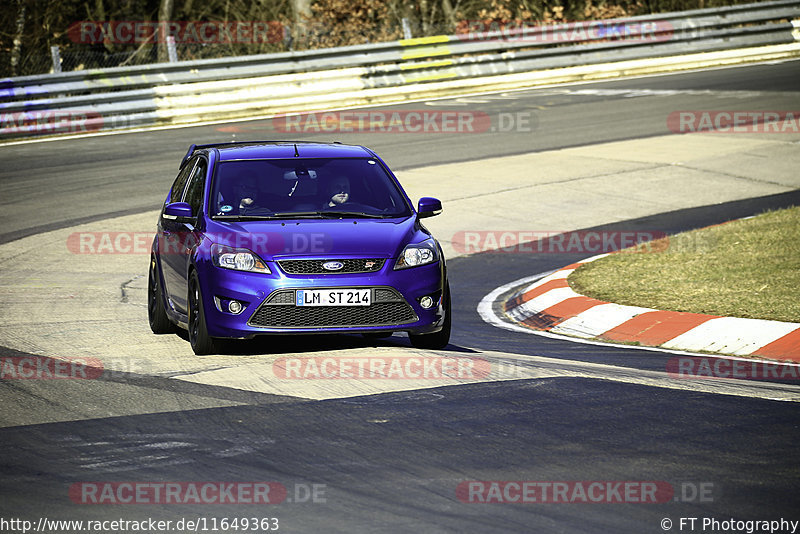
(734, 122)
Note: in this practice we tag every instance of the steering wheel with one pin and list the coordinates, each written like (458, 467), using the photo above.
(348, 206)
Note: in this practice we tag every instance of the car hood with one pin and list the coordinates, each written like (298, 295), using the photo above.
(378, 238)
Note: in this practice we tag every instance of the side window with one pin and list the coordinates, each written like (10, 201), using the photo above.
(180, 182)
(194, 193)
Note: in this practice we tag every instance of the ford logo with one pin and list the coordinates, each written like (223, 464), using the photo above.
(332, 265)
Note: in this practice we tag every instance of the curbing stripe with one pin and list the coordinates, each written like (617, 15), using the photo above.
(656, 327)
(549, 304)
(572, 266)
(731, 335)
(787, 346)
(561, 273)
(541, 303)
(540, 289)
(569, 308)
(598, 319)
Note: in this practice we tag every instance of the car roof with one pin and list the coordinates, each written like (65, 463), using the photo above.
(281, 150)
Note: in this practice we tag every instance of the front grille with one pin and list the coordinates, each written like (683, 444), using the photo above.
(283, 296)
(359, 265)
(388, 308)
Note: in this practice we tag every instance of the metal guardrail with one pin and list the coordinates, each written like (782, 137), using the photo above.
(166, 93)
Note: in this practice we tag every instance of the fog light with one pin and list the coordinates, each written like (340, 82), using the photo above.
(235, 307)
(426, 302)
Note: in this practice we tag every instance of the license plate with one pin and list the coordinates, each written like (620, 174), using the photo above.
(333, 297)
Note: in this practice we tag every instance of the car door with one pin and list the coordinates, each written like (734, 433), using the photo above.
(189, 233)
(171, 249)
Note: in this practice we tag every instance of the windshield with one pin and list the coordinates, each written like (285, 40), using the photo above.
(318, 188)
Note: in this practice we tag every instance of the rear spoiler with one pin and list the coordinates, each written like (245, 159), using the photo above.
(194, 148)
(187, 156)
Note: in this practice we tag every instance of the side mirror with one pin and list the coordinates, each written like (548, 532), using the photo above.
(178, 210)
(428, 207)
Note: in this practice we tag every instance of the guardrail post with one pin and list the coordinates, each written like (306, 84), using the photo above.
(172, 52)
(406, 29)
(55, 54)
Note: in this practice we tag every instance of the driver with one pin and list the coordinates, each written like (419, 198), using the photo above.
(247, 193)
(338, 191)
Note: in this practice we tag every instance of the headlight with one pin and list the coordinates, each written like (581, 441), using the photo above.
(238, 259)
(418, 254)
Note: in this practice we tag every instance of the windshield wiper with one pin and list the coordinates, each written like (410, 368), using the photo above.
(244, 217)
(305, 215)
(297, 214)
(359, 214)
(326, 214)
(271, 216)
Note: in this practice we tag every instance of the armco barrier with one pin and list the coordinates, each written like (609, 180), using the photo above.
(260, 85)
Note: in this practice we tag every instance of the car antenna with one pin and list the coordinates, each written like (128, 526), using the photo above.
(296, 153)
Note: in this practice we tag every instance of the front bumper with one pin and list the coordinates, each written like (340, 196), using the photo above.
(269, 302)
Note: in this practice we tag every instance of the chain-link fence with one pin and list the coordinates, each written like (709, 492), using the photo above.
(83, 56)
(86, 44)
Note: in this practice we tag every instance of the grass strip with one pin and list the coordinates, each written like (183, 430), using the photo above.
(745, 268)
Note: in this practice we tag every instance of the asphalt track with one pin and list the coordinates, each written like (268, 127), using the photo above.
(393, 462)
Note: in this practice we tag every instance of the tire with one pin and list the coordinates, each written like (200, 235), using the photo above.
(156, 312)
(440, 339)
(202, 343)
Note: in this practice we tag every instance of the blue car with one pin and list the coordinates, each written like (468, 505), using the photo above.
(295, 238)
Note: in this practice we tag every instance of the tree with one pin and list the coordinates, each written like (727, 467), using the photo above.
(301, 13)
(164, 16)
(17, 44)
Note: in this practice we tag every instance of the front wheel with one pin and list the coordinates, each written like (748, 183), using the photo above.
(156, 312)
(440, 339)
(201, 342)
